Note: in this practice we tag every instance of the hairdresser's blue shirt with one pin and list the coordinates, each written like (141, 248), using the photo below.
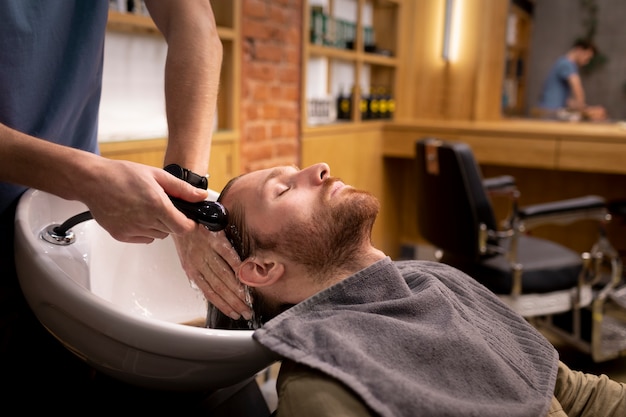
(556, 88)
(51, 72)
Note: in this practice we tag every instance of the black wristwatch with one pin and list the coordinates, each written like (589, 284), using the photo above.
(184, 174)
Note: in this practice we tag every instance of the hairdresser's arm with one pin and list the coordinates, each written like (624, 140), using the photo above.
(192, 73)
(577, 101)
(129, 200)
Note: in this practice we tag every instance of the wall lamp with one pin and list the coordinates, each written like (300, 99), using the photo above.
(449, 49)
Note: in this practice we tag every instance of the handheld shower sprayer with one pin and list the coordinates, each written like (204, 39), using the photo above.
(210, 214)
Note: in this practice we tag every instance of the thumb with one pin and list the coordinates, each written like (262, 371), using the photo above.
(191, 193)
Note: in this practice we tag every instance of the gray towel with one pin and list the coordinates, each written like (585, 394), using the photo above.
(420, 339)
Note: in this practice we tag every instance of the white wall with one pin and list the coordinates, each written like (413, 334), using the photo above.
(133, 102)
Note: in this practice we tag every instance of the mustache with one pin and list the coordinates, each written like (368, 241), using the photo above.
(327, 184)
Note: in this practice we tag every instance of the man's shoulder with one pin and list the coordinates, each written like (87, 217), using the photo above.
(416, 271)
(415, 266)
(421, 274)
(566, 67)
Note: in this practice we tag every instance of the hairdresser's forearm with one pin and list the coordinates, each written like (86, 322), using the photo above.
(192, 75)
(578, 101)
(44, 165)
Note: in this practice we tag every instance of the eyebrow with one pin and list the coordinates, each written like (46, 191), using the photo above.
(277, 172)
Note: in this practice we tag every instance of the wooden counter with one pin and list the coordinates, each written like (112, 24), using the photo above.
(549, 160)
(586, 147)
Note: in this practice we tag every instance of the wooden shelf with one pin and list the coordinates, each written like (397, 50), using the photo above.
(330, 52)
(381, 69)
(131, 22)
(381, 60)
(226, 33)
(343, 127)
(350, 55)
(516, 64)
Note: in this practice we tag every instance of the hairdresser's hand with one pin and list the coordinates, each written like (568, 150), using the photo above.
(595, 113)
(131, 202)
(209, 260)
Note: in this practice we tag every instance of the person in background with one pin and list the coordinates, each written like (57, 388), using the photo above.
(563, 88)
(361, 335)
(51, 62)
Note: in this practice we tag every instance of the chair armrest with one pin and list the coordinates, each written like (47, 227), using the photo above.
(590, 207)
(503, 186)
(498, 183)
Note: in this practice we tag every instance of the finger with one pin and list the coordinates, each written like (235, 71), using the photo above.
(174, 221)
(137, 239)
(225, 249)
(222, 271)
(176, 187)
(231, 306)
(218, 297)
(158, 234)
(227, 288)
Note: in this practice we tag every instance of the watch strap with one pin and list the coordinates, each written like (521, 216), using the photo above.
(189, 176)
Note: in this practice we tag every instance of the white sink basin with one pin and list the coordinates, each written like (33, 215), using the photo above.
(127, 309)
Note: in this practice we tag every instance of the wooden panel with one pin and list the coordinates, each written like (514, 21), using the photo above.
(510, 151)
(354, 157)
(401, 144)
(430, 88)
(223, 165)
(490, 66)
(421, 78)
(513, 151)
(593, 156)
(149, 151)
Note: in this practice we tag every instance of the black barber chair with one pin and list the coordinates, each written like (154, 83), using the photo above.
(549, 284)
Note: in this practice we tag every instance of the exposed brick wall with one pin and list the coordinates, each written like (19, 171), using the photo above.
(271, 78)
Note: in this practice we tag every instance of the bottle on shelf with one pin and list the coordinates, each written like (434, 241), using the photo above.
(373, 107)
(317, 25)
(383, 103)
(369, 41)
(344, 105)
(350, 34)
(364, 104)
(391, 106)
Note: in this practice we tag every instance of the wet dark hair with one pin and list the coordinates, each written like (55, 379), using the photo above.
(243, 240)
(585, 44)
(235, 225)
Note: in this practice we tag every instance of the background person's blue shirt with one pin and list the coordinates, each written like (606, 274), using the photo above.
(556, 88)
(51, 56)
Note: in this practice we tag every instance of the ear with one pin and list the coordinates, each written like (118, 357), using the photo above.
(256, 272)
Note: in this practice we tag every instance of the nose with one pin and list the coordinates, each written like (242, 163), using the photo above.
(317, 173)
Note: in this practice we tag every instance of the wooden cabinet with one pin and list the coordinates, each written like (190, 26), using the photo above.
(519, 26)
(224, 162)
(350, 52)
